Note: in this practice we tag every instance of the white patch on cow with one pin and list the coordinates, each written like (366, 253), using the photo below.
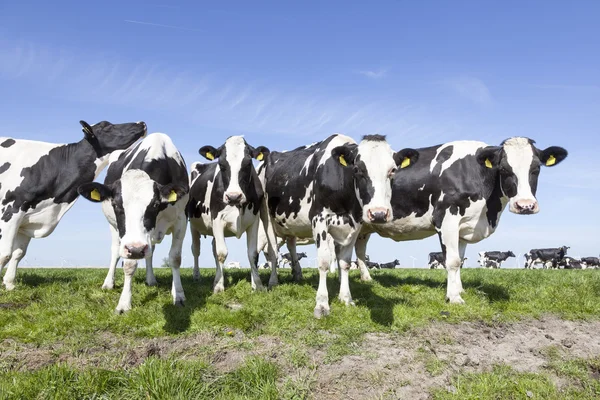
(422, 188)
(235, 148)
(519, 154)
(379, 161)
(460, 149)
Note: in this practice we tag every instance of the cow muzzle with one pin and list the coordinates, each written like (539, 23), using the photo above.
(135, 251)
(235, 199)
(524, 207)
(378, 215)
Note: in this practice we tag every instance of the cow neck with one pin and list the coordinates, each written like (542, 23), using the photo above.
(84, 154)
(496, 202)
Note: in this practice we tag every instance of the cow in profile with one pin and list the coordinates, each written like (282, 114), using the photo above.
(332, 187)
(494, 259)
(39, 181)
(458, 191)
(437, 260)
(591, 262)
(226, 198)
(548, 257)
(143, 198)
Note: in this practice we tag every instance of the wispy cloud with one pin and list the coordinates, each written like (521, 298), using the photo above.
(374, 74)
(470, 88)
(181, 28)
(214, 101)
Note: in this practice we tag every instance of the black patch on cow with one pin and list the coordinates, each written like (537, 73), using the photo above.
(7, 143)
(4, 167)
(374, 138)
(56, 175)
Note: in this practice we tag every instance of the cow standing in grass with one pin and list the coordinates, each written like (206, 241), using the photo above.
(225, 200)
(39, 181)
(458, 191)
(548, 257)
(333, 188)
(143, 197)
(494, 259)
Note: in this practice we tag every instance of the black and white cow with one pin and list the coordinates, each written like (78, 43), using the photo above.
(438, 261)
(458, 191)
(390, 265)
(39, 181)
(369, 264)
(287, 258)
(332, 187)
(226, 198)
(548, 257)
(494, 259)
(571, 263)
(143, 197)
(591, 262)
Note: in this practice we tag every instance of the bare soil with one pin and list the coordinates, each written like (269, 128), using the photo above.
(382, 365)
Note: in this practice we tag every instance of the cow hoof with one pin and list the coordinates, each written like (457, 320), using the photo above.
(455, 300)
(260, 288)
(218, 289)
(108, 286)
(151, 283)
(321, 311)
(179, 303)
(366, 278)
(122, 309)
(272, 284)
(196, 278)
(9, 286)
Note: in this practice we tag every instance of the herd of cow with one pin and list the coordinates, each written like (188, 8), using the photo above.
(334, 193)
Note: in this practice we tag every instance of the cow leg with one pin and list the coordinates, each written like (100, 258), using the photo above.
(150, 278)
(462, 248)
(361, 253)
(109, 281)
(129, 267)
(296, 269)
(324, 257)
(272, 248)
(175, 260)
(195, 252)
(19, 249)
(220, 253)
(252, 245)
(449, 238)
(344, 255)
(7, 241)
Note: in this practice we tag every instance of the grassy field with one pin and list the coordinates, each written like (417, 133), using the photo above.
(60, 337)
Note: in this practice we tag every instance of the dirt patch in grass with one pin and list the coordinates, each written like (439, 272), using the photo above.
(406, 365)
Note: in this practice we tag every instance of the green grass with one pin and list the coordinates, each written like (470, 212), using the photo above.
(50, 305)
(67, 311)
(154, 379)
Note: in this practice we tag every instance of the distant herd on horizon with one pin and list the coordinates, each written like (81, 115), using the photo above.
(334, 194)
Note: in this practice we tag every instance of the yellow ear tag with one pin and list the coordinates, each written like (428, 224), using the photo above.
(343, 161)
(172, 196)
(551, 161)
(405, 162)
(95, 195)
(260, 156)
(210, 156)
(488, 163)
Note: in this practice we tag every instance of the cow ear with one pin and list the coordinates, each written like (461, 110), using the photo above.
(406, 157)
(87, 130)
(95, 192)
(345, 155)
(209, 152)
(489, 156)
(552, 155)
(172, 192)
(260, 153)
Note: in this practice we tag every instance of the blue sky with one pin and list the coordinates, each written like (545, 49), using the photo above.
(285, 74)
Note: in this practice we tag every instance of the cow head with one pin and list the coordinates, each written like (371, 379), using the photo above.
(518, 162)
(510, 254)
(374, 164)
(136, 201)
(106, 137)
(235, 164)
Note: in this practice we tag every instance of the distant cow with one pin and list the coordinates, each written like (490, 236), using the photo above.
(39, 181)
(225, 200)
(233, 265)
(591, 262)
(332, 187)
(437, 260)
(571, 263)
(143, 197)
(390, 265)
(287, 258)
(494, 259)
(458, 191)
(548, 257)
